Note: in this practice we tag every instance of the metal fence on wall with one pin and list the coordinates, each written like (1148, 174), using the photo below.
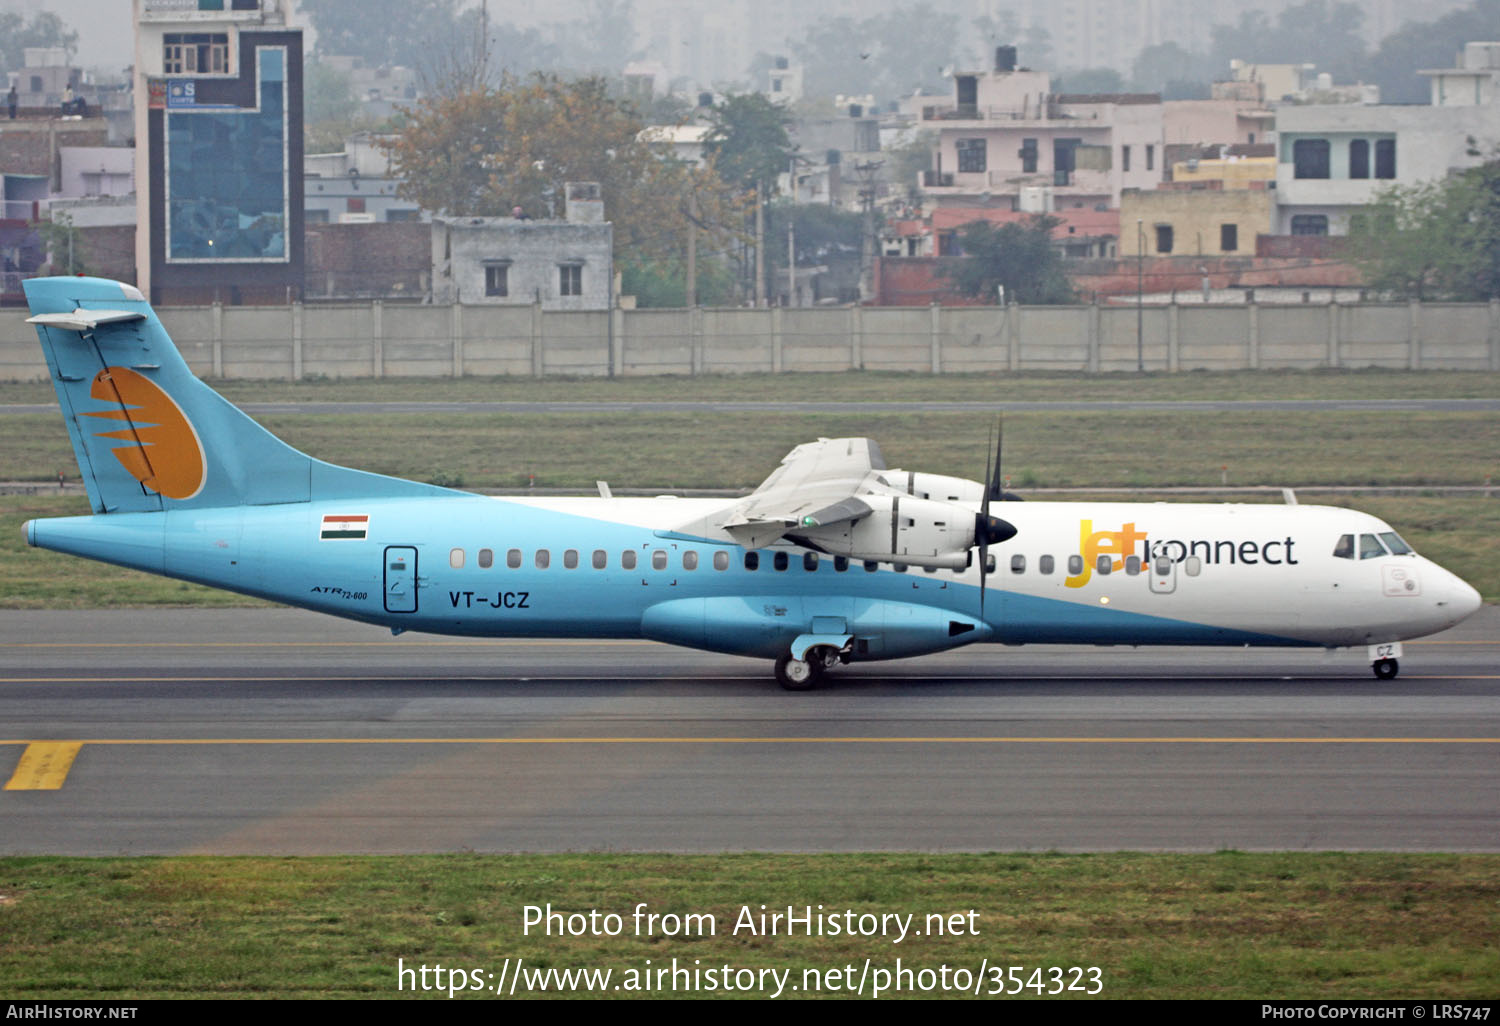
(374, 339)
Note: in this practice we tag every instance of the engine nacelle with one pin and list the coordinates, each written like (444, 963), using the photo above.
(937, 487)
(900, 529)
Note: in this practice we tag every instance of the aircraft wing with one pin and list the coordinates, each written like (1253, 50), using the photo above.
(816, 484)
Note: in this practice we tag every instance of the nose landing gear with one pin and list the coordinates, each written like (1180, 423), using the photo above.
(1383, 659)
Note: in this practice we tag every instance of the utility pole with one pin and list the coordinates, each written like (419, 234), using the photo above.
(791, 262)
(760, 244)
(866, 173)
(1140, 269)
(692, 251)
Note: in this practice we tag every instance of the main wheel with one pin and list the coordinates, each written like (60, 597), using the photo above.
(797, 674)
(1386, 669)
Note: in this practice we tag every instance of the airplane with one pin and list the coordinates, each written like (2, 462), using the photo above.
(835, 558)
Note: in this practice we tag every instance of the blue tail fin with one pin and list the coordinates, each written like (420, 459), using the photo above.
(147, 433)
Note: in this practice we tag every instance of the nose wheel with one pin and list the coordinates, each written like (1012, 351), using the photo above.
(1386, 669)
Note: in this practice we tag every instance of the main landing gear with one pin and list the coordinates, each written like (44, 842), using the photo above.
(804, 674)
(1386, 669)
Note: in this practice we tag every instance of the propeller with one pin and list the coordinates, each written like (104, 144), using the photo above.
(990, 530)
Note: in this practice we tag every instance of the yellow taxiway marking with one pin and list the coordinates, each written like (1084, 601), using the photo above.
(710, 740)
(44, 766)
(545, 679)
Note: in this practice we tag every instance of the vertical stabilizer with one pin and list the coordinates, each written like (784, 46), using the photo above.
(147, 433)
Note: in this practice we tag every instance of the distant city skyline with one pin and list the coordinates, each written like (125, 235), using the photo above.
(702, 40)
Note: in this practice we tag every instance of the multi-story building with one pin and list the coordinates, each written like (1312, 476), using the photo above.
(354, 186)
(561, 264)
(1475, 82)
(1006, 140)
(1333, 159)
(218, 112)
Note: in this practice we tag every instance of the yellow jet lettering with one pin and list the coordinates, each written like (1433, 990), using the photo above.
(1093, 544)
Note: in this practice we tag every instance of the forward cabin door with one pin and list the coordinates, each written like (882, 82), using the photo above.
(400, 579)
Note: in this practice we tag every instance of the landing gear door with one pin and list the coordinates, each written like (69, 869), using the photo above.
(1163, 575)
(400, 579)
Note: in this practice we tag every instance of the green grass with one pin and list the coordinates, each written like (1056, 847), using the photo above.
(863, 386)
(1229, 925)
(682, 450)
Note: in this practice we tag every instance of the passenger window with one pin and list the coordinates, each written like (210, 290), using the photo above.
(1104, 564)
(1163, 566)
(1044, 565)
(456, 559)
(810, 561)
(486, 558)
(780, 561)
(1075, 565)
(570, 559)
(1370, 547)
(627, 559)
(543, 558)
(1018, 564)
(1132, 565)
(513, 559)
(990, 563)
(659, 559)
(840, 564)
(752, 561)
(1395, 544)
(1192, 566)
(601, 559)
(721, 560)
(690, 560)
(871, 566)
(1345, 547)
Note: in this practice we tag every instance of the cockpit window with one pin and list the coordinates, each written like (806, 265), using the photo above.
(1395, 544)
(1345, 547)
(1370, 547)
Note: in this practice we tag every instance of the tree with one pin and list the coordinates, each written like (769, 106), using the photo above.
(1176, 73)
(1428, 44)
(1090, 80)
(749, 140)
(331, 111)
(821, 234)
(890, 55)
(384, 32)
(1318, 31)
(1018, 255)
(1434, 240)
(487, 150)
(44, 29)
(906, 160)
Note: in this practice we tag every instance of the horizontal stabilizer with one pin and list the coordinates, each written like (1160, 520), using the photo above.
(85, 320)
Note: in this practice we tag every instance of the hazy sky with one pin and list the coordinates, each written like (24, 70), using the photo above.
(105, 31)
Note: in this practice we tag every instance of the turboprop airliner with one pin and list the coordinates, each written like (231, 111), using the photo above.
(836, 558)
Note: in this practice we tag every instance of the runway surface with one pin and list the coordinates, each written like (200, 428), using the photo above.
(851, 408)
(272, 731)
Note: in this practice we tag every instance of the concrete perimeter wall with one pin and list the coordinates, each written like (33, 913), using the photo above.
(375, 339)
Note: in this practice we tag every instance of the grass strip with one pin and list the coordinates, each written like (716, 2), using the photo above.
(1225, 925)
(861, 386)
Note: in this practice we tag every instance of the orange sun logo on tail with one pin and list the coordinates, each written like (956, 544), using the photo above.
(163, 451)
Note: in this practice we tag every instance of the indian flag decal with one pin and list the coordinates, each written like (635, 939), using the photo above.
(340, 526)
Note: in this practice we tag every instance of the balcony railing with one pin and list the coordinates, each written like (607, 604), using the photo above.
(937, 179)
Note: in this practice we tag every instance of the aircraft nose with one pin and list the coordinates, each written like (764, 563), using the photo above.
(1466, 601)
